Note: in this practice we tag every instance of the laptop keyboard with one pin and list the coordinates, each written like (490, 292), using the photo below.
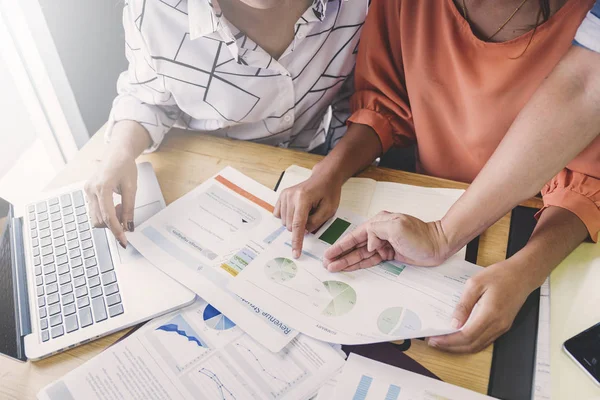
(75, 280)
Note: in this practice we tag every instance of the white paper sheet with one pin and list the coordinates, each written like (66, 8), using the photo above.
(366, 379)
(367, 197)
(391, 301)
(356, 196)
(542, 383)
(205, 238)
(327, 391)
(198, 353)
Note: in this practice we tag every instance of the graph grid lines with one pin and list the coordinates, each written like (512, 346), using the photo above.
(225, 393)
(262, 366)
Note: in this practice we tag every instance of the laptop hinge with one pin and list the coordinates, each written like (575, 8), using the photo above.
(22, 314)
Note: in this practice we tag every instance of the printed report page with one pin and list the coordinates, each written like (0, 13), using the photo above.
(199, 353)
(390, 301)
(365, 379)
(207, 237)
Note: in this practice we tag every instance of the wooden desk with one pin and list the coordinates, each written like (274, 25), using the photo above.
(184, 161)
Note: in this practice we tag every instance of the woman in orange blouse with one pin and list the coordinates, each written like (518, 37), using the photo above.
(452, 77)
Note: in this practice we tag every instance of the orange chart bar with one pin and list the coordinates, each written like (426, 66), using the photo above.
(244, 193)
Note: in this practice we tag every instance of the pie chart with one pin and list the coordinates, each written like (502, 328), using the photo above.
(281, 269)
(398, 321)
(215, 320)
(388, 319)
(343, 298)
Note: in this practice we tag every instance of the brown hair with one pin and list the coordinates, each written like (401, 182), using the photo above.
(543, 16)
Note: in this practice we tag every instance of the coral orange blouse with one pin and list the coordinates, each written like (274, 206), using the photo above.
(423, 77)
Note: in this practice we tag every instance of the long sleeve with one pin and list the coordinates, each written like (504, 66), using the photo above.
(577, 189)
(381, 99)
(142, 96)
(340, 113)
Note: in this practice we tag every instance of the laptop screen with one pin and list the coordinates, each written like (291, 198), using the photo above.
(8, 332)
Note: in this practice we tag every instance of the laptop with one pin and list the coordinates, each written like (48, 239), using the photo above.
(64, 283)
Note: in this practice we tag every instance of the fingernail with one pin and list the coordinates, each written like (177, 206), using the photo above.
(130, 226)
(123, 245)
(296, 253)
(432, 343)
(454, 323)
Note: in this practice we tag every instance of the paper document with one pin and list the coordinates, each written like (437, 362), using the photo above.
(366, 379)
(542, 389)
(390, 301)
(327, 391)
(207, 237)
(198, 353)
(367, 197)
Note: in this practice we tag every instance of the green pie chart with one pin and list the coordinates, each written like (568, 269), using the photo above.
(343, 298)
(389, 319)
(398, 321)
(281, 269)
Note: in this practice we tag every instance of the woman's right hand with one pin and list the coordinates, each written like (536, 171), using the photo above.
(117, 173)
(306, 206)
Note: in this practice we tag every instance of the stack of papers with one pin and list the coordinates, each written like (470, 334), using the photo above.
(199, 353)
(242, 340)
(222, 241)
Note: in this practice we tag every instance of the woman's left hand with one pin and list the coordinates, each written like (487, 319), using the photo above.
(499, 291)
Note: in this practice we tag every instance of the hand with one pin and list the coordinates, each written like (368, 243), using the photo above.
(499, 292)
(306, 206)
(387, 237)
(117, 173)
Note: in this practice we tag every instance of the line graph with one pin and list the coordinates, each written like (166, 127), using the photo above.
(261, 366)
(221, 388)
(274, 373)
(219, 378)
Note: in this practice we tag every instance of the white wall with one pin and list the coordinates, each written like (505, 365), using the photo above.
(17, 132)
(89, 38)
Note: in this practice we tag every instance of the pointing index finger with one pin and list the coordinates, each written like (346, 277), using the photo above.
(299, 221)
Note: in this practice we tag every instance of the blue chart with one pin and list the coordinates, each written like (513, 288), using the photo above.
(363, 388)
(180, 326)
(214, 319)
(178, 343)
(392, 393)
(222, 390)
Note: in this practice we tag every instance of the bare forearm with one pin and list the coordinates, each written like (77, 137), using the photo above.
(359, 147)
(560, 120)
(557, 234)
(129, 139)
